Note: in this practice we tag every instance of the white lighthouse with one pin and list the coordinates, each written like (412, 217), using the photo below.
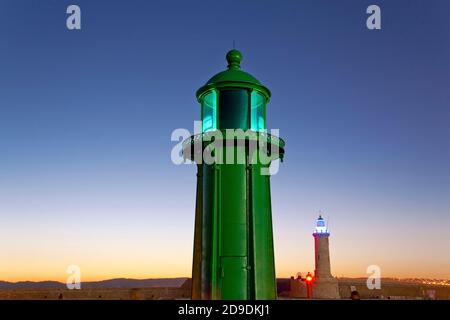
(325, 285)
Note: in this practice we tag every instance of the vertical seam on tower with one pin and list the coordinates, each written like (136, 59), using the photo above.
(219, 226)
(271, 232)
(250, 239)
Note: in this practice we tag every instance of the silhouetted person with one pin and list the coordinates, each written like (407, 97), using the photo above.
(355, 295)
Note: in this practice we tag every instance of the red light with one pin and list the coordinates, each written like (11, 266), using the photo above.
(308, 278)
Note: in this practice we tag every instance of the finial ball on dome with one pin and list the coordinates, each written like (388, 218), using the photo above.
(234, 58)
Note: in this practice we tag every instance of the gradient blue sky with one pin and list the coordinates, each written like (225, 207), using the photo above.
(86, 118)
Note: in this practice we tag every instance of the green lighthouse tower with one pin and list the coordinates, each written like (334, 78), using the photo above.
(233, 239)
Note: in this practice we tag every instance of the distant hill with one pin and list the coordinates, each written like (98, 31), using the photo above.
(30, 284)
(105, 284)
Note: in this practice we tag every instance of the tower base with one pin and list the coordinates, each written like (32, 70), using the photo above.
(326, 289)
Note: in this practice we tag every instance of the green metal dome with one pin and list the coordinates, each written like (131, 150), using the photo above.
(233, 77)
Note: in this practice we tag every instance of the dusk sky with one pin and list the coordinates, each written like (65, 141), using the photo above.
(86, 118)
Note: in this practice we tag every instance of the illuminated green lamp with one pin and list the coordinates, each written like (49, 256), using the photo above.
(233, 239)
(238, 90)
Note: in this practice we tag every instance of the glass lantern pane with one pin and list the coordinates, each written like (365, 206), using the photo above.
(258, 122)
(209, 111)
(233, 104)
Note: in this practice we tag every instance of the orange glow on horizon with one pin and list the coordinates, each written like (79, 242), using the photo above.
(94, 276)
